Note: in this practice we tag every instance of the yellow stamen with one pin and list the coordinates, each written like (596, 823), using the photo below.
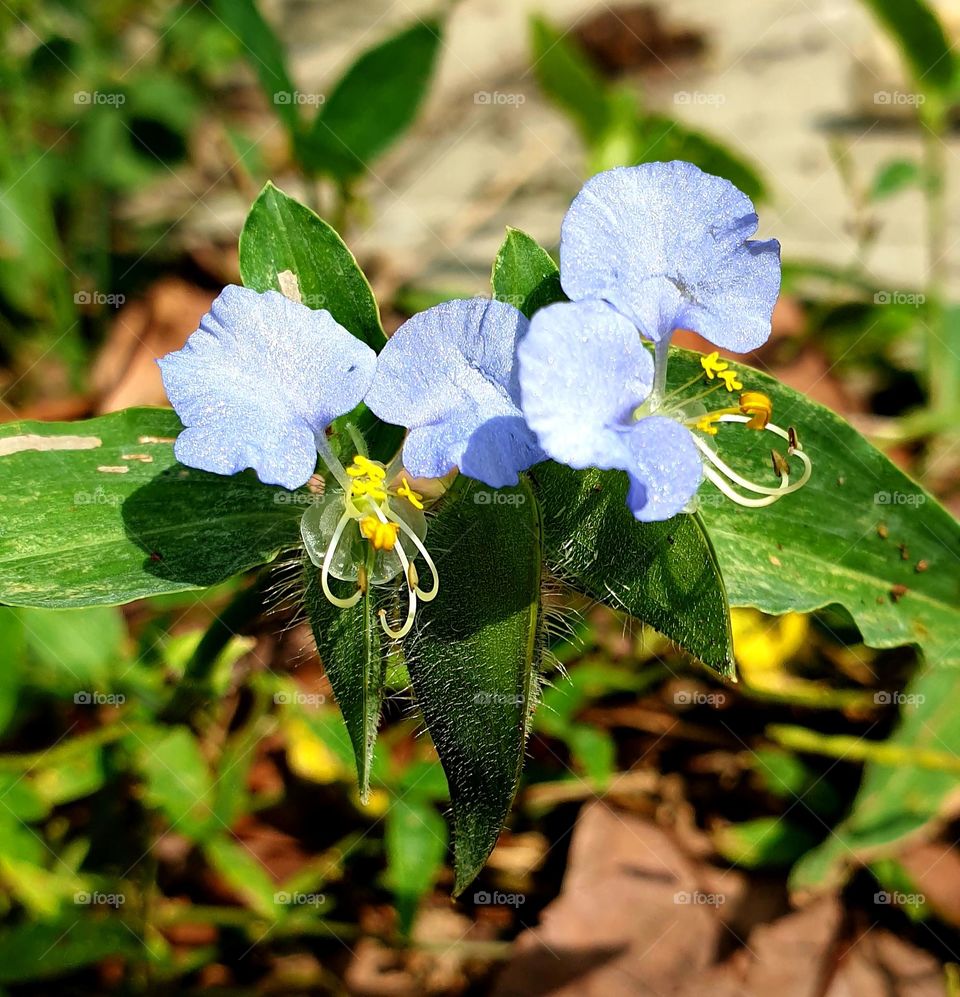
(405, 491)
(706, 424)
(364, 467)
(382, 535)
(730, 380)
(713, 365)
(368, 488)
(758, 406)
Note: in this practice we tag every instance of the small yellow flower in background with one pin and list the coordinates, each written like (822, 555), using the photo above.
(765, 644)
(308, 756)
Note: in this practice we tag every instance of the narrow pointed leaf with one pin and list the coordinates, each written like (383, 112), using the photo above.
(918, 33)
(474, 653)
(99, 513)
(374, 102)
(351, 646)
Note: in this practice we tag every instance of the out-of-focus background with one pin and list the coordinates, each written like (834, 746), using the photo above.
(655, 842)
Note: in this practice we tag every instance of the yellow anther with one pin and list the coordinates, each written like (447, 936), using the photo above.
(712, 364)
(364, 467)
(706, 424)
(367, 488)
(405, 491)
(382, 535)
(730, 380)
(758, 406)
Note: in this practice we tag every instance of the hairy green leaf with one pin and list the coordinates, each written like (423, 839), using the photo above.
(351, 645)
(473, 656)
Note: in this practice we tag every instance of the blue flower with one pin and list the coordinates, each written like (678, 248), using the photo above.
(669, 247)
(259, 382)
(585, 376)
(449, 375)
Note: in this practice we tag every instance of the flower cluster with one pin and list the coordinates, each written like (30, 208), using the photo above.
(644, 251)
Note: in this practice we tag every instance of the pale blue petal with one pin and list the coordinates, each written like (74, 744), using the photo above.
(669, 246)
(665, 468)
(259, 382)
(449, 375)
(583, 372)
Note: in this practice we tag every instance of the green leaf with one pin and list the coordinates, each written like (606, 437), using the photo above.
(524, 274)
(78, 648)
(917, 31)
(244, 874)
(416, 844)
(41, 950)
(374, 103)
(178, 781)
(897, 797)
(568, 78)
(264, 52)
(855, 535)
(763, 842)
(664, 574)
(350, 643)
(660, 139)
(76, 535)
(473, 656)
(893, 177)
(281, 234)
(825, 544)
